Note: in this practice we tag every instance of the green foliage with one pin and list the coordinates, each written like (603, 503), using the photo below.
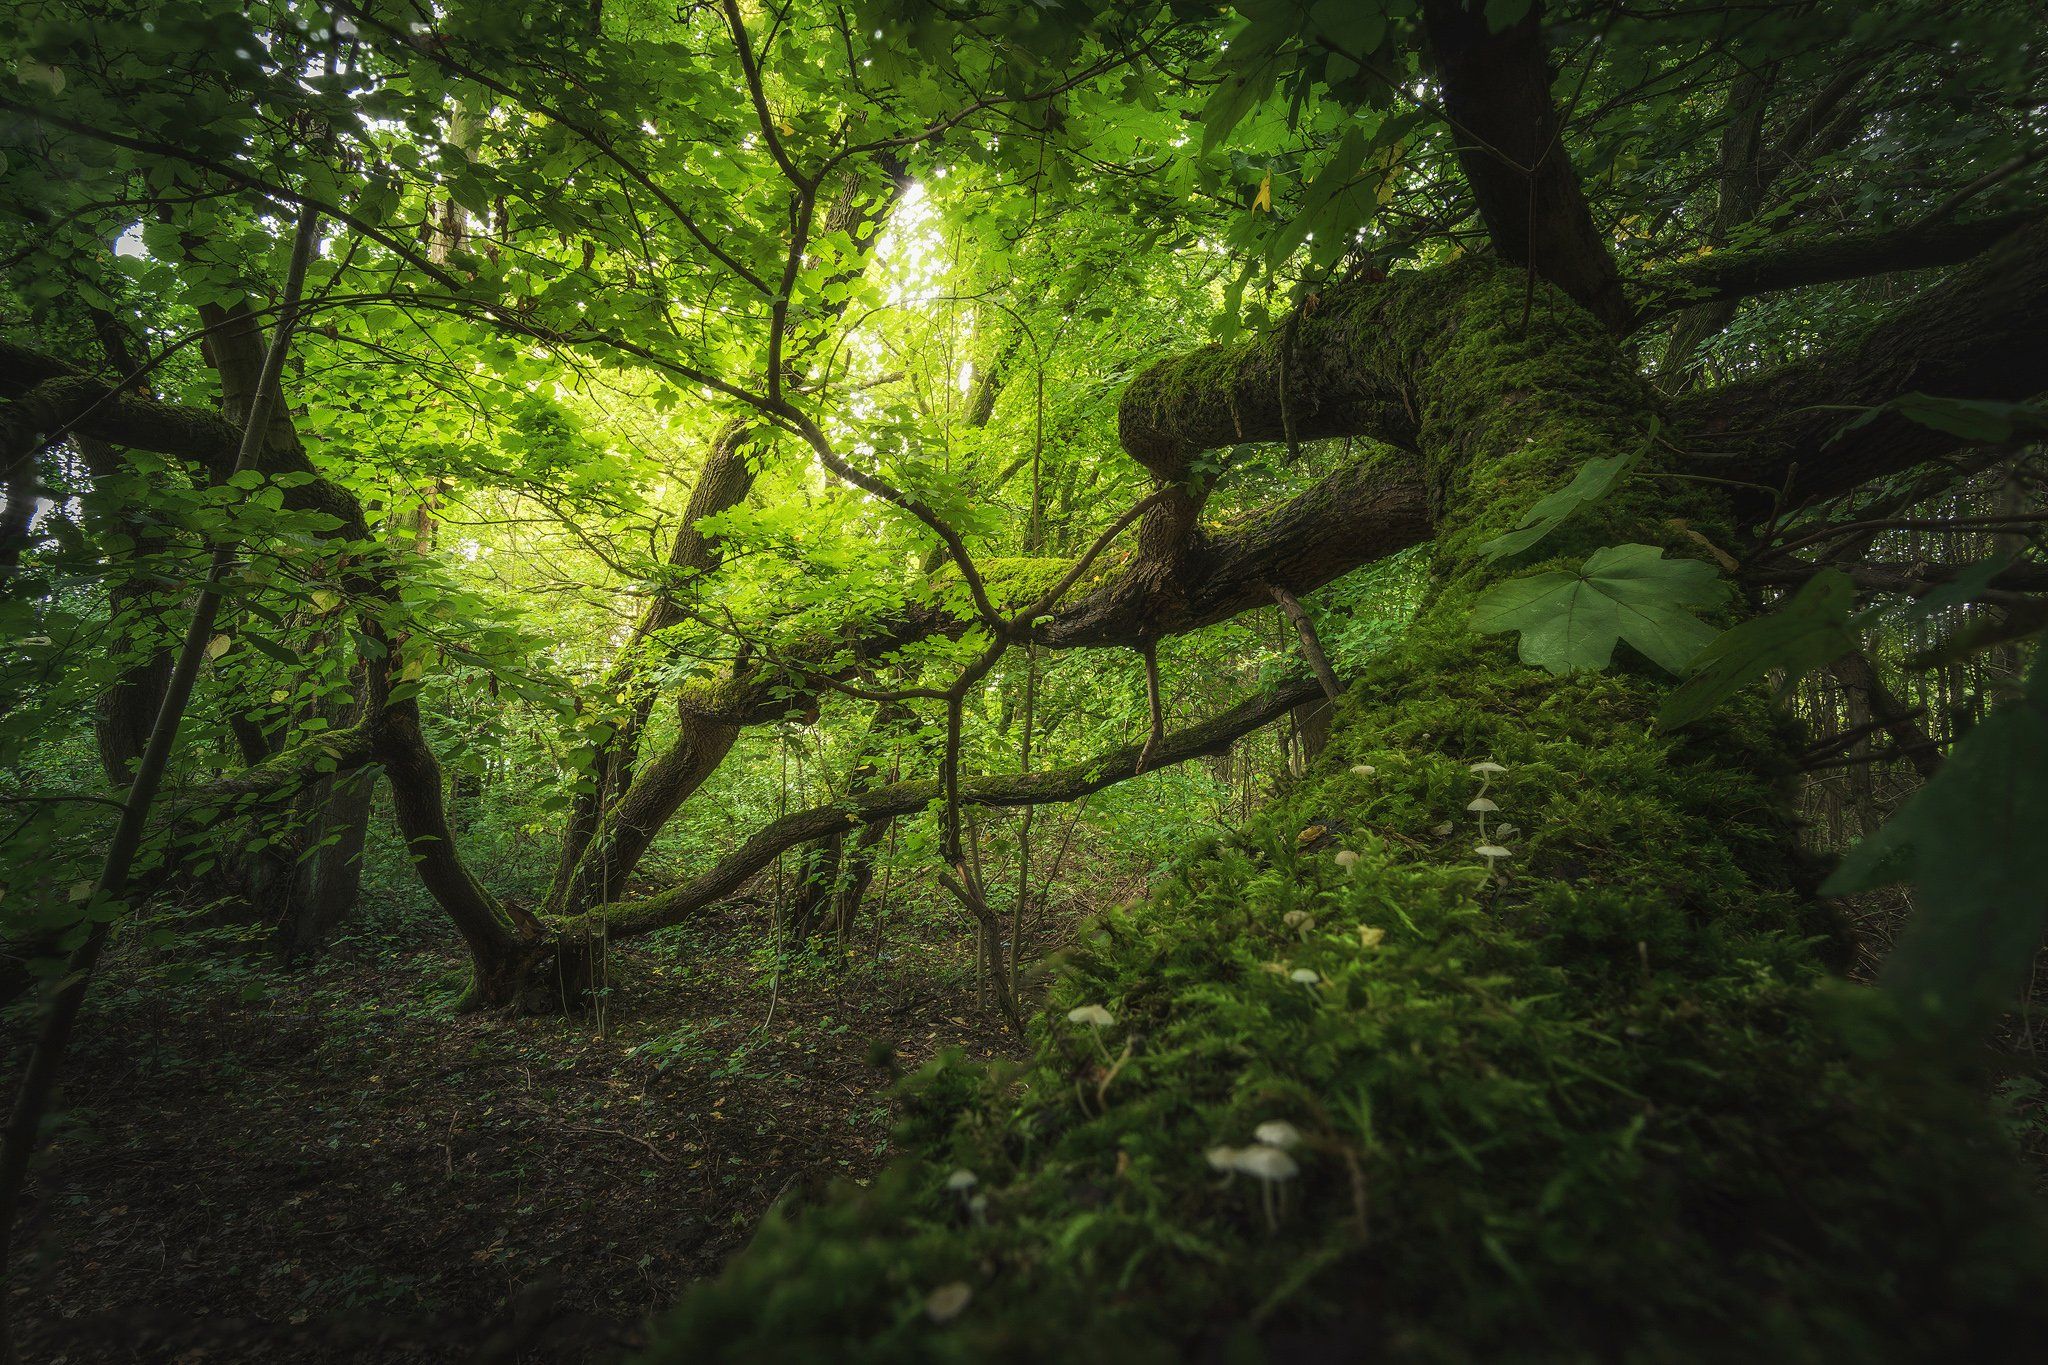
(1591, 483)
(1571, 621)
(1812, 630)
(1965, 842)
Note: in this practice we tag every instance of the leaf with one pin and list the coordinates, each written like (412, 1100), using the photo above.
(1813, 629)
(1971, 419)
(1591, 483)
(1263, 200)
(218, 646)
(1571, 621)
(1968, 842)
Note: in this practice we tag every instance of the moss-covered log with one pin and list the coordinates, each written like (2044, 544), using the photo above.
(1596, 1103)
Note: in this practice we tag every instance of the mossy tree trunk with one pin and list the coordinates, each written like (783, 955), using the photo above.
(1584, 1107)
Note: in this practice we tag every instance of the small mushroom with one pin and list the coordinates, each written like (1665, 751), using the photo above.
(1269, 1166)
(961, 1181)
(1491, 852)
(1094, 1016)
(1300, 920)
(1486, 768)
(1222, 1159)
(1507, 832)
(946, 1302)
(1306, 976)
(1445, 830)
(1481, 804)
(1347, 858)
(1363, 770)
(1278, 1133)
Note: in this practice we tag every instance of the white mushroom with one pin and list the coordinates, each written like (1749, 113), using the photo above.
(962, 1180)
(1304, 975)
(1269, 1166)
(1480, 803)
(1491, 852)
(1094, 1016)
(1486, 768)
(944, 1303)
(1266, 1163)
(1301, 920)
(1507, 831)
(1347, 858)
(1278, 1133)
(1363, 770)
(1222, 1159)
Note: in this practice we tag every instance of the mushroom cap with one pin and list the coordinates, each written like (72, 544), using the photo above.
(1222, 1158)
(1092, 1015)
(1363, 769)
(1347, 858)
(1486, 767)
(1306, 976)
(1298, 919)
(1267, 1163)
(1278, 1133)
(1507, 831)
(1445, 829)
(962, 1180)
(1491, 851)
(944, 1303)
(1480, 803)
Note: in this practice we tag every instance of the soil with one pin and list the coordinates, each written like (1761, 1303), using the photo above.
(346, 1170)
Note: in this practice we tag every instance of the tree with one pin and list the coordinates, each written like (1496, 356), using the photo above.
(1565, 1090)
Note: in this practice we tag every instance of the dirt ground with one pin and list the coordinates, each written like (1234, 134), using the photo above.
(345, 1170)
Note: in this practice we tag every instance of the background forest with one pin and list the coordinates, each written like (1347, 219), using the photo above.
(1246, 637)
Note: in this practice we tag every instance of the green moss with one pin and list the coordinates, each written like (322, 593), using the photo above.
(1589, 1111)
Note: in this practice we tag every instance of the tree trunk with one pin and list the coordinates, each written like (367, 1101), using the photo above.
(1582, 1107)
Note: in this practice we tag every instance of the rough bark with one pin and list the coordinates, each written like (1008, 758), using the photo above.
(1496, 94)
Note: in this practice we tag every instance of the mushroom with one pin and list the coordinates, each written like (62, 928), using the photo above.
(1092, 1015)
(1222, 1159)
(1306, 976)
(1363, 770)
(1486, 768)
(961, 1181)
(1480, 803)
(1490, 852)
(944, 1303)
(1300, 920)
(1269, 1166)
(1347, 858)
(1278, 1133)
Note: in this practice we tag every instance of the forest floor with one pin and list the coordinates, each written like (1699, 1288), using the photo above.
(342, 1169)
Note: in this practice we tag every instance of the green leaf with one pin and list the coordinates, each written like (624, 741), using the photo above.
(1968, 842)
(1571, 621)
(1971, 419)
(1812, 630)
(1591, 483)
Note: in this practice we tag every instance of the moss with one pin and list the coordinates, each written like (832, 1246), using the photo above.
(1588, 1111)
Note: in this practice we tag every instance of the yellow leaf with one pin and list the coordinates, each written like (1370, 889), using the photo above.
(787, 128)
(280, 695)
(1264, 201)
(217, 646)
(325, 600)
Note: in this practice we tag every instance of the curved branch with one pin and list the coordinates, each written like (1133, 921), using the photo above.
(627, 918)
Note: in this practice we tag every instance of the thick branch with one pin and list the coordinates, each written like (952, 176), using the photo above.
(1496, 90)
(1820, 259)
(1977, 334)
